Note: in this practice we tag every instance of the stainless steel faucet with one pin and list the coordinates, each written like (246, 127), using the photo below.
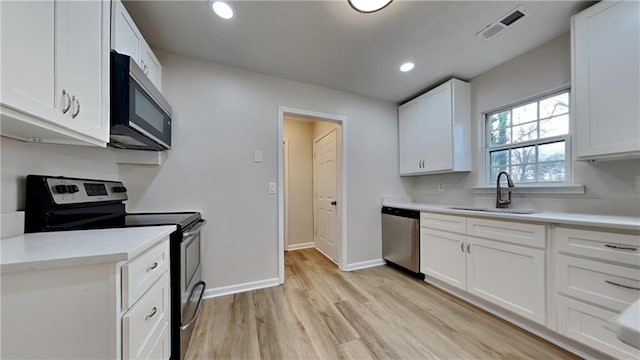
(500, 202)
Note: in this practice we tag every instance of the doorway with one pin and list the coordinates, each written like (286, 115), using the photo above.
(311, 173)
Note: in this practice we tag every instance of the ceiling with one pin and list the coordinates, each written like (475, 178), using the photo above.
(329, 44)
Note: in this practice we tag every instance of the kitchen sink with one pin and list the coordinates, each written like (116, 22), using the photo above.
(502, 211)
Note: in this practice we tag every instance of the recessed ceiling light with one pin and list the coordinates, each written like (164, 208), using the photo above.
(408, 66)
(222, 9)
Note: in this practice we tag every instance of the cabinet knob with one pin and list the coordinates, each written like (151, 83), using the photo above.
(77, 105)
(66, 99)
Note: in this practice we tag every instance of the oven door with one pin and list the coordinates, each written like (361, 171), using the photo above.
(191, 286)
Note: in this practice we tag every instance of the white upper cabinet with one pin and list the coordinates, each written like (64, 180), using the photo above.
(606, 80)
(82, 64)
(434, 131)
(55, 85)
(127, 39)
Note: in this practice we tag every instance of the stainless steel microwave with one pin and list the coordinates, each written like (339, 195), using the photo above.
(140, 115)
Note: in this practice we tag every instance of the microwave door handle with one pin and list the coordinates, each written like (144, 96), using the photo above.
(195, 230)
(197, 312)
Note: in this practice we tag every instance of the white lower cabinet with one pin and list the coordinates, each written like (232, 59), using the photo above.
(593, 274)
(442, 256)
(509, 273)
(592, 326)
(77, 312)
(597, 276)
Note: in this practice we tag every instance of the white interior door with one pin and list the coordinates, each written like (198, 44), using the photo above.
(326, 195)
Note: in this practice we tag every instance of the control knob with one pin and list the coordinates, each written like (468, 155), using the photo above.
(119, 189)
(60, 189)
(72, 189)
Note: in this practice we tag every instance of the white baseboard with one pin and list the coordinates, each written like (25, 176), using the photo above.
(364, 264)
(300, 246)
(234, 289)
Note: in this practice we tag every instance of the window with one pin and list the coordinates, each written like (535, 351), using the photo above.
(530, 140)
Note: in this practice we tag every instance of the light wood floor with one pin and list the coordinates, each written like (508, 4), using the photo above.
(323, 313)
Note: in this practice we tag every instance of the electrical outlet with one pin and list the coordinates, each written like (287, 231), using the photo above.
(272, 188)
(440, 187)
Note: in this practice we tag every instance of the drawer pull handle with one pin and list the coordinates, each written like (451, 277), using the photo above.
(152, 267)
(620, 247)
(622, 286)
(469, 248)
(462, 247)
(153, 312)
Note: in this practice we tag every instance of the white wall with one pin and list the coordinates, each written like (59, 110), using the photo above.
(299, 224)
(18, 159)
(610, 186)
(221, 115)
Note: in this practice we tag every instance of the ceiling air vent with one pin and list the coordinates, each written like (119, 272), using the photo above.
(504, 22)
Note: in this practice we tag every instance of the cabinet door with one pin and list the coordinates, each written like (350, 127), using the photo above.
(412, 127)
(125, 36)
(438, 129)
(27, 29)
(508, 275)
(150, 64)
(606, 79)
(82, 64)
(442, 256)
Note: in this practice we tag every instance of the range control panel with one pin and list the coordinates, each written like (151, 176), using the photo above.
(73, 191)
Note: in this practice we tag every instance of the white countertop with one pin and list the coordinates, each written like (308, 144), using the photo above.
(603, 221)
(47, 250)
(628, 325)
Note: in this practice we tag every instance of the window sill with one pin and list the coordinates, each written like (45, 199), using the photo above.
(562, 189)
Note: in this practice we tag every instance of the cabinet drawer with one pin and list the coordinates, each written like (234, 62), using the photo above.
(598, 283)
(621, 248)
(443, 222)
(514, 232)
(140, 273)
(160, 350)
(143, 325)
(592, 326)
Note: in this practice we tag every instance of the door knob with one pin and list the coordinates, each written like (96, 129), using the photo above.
(334, 203)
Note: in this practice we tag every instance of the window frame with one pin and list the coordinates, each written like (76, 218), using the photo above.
(568, 166)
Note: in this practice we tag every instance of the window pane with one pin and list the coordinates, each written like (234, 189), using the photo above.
(525, 132)
(523, 173)
(500, 121)
(493, 175)
(501, 137)
(525, 113)
(551, 152)
(556, 105)
(525, 155)
(553, 171)
(555, 126)
(499, 158)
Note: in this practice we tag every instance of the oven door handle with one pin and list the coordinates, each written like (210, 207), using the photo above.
(195, 230)
(195, 315)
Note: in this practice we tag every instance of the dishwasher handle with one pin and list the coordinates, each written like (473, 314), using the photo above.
(413, 214)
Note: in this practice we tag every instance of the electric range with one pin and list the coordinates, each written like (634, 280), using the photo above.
(64, 204)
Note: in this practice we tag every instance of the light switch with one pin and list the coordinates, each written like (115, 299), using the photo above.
(257, 156)
(272, 188)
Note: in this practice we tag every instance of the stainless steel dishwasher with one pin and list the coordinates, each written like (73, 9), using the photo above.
(401, 238)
